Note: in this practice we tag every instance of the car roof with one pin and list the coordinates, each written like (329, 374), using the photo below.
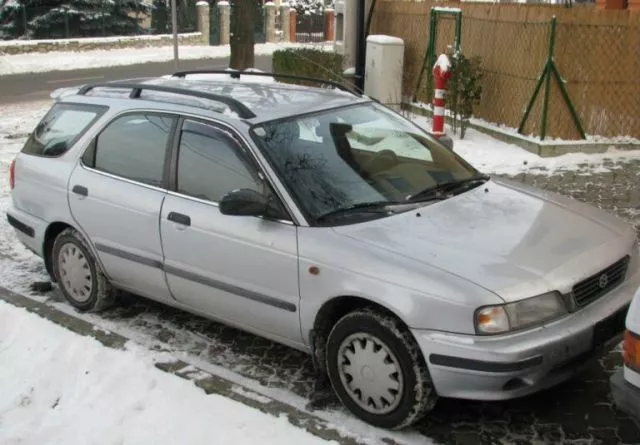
(266, 99)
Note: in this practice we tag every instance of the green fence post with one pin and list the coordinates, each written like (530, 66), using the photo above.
(567, 99)
(547, 86)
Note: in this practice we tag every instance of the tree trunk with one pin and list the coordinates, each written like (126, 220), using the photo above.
(243, 34)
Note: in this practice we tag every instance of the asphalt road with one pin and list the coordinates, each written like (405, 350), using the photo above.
(37, 86)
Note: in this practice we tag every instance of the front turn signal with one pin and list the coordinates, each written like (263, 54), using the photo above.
(631, 348)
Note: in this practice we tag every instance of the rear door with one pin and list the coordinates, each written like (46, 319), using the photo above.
(116, 193)
(235, 268)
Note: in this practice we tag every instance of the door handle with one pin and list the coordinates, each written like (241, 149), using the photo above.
(179, 218)
(80, 190)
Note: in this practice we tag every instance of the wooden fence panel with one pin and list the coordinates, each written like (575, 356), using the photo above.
(597, 54)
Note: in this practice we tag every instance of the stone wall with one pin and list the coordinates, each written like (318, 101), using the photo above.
(45, 46)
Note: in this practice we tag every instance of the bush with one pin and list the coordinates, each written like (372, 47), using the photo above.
(308, 62)
(465, 89)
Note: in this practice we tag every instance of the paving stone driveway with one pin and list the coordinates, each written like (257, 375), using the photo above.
(578, 412)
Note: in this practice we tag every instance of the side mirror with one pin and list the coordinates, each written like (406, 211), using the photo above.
(243, 202)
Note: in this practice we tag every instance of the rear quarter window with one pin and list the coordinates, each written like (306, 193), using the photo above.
(60, 128)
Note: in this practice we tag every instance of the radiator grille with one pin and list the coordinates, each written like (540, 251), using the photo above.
(594, 287)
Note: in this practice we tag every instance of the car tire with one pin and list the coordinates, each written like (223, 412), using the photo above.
(79, 275)
(362, 347)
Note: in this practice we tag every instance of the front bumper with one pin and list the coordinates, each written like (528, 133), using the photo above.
(515, 365)
(625, 395)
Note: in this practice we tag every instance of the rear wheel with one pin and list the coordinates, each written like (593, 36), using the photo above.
(377, 370)
(77, 272)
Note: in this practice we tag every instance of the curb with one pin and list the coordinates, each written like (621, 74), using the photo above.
(208, 382)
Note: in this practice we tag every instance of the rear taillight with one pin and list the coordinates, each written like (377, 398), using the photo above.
(632, 350)
(12, 174)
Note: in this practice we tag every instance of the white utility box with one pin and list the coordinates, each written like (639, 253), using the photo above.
(384, 69)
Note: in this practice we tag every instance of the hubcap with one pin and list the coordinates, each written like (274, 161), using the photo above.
(75, 274)
(370, 373)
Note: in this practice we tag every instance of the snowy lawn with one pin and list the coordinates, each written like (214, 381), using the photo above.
(93, 394)
(491, 155)
(70, 60)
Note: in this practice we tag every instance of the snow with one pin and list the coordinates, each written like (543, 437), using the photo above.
(494, 156)
(445, 9)
(223, 3)
(202, 3)
(385, 40)
(511, 131)
(443, 63)
(82, 40)
(69, 60)
(94, 394)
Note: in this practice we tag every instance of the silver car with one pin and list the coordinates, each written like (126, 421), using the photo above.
(325, 221)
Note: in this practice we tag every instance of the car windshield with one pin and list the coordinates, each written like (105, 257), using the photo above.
(360, 158)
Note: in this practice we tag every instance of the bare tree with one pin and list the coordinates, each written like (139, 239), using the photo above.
(243, 34)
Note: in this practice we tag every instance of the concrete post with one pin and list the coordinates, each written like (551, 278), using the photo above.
(203, 21)
(293, 25)
(329, 25)
(284, 23)
(270, 22)
(225, 21)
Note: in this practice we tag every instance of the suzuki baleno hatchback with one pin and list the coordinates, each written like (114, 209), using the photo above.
(322, 220)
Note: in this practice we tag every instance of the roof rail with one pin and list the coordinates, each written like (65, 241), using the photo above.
(136, 89)
(237, 74)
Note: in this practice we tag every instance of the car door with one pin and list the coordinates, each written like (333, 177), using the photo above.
(240, 269)
(116, 194)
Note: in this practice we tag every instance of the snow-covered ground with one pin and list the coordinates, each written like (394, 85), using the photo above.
(60, 387)
(71, 60)
(491, 155)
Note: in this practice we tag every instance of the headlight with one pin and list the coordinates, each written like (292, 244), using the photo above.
(520, 314)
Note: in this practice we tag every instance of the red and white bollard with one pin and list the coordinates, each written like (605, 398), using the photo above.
(441, 74)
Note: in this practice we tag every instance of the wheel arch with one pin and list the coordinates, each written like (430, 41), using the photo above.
(327, 316)
(51, 233)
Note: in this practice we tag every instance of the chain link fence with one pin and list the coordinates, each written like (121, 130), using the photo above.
(596, 54)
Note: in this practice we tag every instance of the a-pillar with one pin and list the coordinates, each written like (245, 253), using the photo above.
(204, 21)
(270, 22)
(224, 15)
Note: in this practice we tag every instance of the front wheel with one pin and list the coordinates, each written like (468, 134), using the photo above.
(377, 370)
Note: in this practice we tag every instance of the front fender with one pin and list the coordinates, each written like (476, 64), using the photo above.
(423, 297)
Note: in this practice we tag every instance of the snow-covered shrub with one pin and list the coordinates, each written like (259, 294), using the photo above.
(464, 89)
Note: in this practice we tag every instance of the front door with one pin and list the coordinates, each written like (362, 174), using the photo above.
(235, 268)
(116, 193)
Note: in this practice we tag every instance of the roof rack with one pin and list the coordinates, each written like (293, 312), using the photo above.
(235, 74)
(136, 89)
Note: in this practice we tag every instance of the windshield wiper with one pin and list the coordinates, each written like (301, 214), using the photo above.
(363, 207)
(436, 192)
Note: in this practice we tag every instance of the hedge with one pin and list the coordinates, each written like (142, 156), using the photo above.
(308, 62)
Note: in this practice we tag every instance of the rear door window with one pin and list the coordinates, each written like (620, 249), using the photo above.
(61, 127)
(134, 146)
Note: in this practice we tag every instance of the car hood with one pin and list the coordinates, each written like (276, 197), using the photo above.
(513, 240)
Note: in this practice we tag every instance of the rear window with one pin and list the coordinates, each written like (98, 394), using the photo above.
(61, 128)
